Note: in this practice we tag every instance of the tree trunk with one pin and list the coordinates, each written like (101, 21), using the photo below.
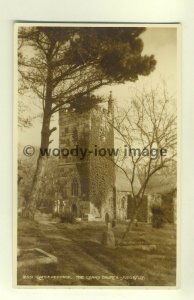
(134, 216)
(39, 173)
(41, 161)
(128, 227)
(31, 205)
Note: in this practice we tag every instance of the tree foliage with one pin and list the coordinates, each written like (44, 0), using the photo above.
(62, 66)
(75, 61)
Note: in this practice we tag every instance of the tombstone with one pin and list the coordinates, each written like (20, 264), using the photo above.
(136, 222)
(107, 218)
(113, 223)
(108, 237)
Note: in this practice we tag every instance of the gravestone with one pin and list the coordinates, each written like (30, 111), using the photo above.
(108, 237)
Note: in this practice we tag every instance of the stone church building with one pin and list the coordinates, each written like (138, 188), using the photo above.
(90, 184)
(87, 184)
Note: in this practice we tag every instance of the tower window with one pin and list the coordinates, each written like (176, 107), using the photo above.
(67, 142)
(75, 135)
(74, 187)
(123, 202)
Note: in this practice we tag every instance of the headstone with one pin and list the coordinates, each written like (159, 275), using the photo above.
(113, 223)
(107, 218)
(108, 237)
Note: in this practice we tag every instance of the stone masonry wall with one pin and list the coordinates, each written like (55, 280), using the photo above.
(95, 173)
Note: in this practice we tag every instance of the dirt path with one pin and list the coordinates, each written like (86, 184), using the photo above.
(75, 260)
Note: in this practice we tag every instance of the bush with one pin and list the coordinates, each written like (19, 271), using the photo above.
(157, 216)
(55, 215)
(67, 217)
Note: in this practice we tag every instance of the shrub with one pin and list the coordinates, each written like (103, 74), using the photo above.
(157, 216)
(67, 217)
(55, 214)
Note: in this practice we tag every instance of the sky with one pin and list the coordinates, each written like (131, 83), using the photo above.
(162, 42)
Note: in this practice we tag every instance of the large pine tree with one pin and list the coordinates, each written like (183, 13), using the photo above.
(62, 65)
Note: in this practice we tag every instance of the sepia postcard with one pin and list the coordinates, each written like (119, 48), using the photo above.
(96, 155)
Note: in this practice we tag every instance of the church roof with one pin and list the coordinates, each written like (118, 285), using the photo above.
(160, 184)
(122, 182)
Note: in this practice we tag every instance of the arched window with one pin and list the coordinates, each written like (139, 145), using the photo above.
(123, 202)
(74, 187)
(75, 135)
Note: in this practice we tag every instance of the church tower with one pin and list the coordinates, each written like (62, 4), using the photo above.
(87, 172)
